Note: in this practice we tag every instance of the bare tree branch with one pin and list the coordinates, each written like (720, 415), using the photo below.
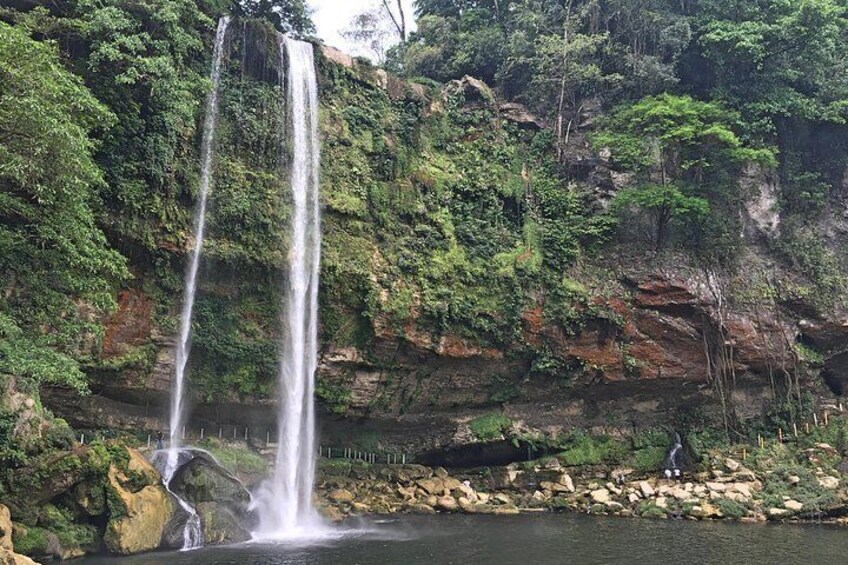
(402, 21)
(399, 21)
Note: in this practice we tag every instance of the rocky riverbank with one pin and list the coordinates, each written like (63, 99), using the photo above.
(766, 490)
(107, 497)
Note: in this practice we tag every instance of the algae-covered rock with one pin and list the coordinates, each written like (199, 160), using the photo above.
(220, 500)
(341, 495)
(7, 550)
(138, 509)
(90, 497)
(221, 524)
(5, 528)
(446, 503)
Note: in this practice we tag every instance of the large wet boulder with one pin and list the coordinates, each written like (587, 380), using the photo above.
(220, 500)
(140, 507)
(174, 535)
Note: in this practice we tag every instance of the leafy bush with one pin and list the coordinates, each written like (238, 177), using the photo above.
(11, 452)
(807, 491)
(579, 448)
(30, 541)
(335, 397)
(731, 509)
(649, 509)
(60, 521)
(647, 459)
(807, 252)
(234, 459)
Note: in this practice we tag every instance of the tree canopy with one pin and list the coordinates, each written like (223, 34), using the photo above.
(684, 153)
(288, 16)
(52, 252)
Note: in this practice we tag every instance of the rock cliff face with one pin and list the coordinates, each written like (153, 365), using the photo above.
(650, 356)
(624, 341)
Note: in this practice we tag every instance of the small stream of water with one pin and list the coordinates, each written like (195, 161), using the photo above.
(193, 534)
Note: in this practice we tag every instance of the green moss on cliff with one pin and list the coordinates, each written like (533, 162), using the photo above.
(466, 216)
(490, 426)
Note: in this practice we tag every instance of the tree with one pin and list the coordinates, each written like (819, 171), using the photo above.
(647, 39)
(685, 153)
(565, 71)
(774, 58)
(399, 19)
(288, 16)
(372, 30)
(52, 254)
(664, 202)
(444, 48)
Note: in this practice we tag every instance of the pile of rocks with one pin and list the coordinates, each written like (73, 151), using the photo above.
(410, 488)
(729, 491)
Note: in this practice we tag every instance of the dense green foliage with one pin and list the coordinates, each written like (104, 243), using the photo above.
(288, 16)
(99, 108)
(772, 58)
(686, 158)
(52, 253)
(444, 222)
(490, 427)
(771, 73)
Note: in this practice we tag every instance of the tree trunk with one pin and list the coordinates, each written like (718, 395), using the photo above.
(561, 106)
(402, 21)
(399, 21)
(663, 218)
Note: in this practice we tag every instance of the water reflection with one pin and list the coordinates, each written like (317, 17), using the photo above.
(531, 540)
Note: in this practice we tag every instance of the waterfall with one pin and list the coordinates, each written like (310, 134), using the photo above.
(193, 535)
(206, 151)
(285, 501)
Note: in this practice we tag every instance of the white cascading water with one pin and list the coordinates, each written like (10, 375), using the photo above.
(193, 535)
(284, 504)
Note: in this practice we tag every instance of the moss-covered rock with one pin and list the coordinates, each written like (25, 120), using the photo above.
(7, 550)
(220, 499)
(90, 498)
(138, 510)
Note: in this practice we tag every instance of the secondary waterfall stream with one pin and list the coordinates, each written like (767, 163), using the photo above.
(285, 501)
(193, 534)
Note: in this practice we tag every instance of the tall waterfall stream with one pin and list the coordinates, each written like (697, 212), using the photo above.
(284, 503)
(193, 533)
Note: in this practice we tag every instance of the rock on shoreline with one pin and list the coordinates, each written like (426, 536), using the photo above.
(729, 491)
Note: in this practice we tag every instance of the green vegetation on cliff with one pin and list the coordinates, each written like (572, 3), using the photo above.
(453, 222)
(687, 160)
(53, 254)
(443, 219)
(447, 217)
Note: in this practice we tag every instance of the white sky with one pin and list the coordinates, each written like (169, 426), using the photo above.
(333, 16)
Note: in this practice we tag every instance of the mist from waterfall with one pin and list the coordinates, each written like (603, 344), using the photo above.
(193, 534)
(284, 502)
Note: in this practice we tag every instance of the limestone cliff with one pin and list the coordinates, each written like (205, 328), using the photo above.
(452, 285)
